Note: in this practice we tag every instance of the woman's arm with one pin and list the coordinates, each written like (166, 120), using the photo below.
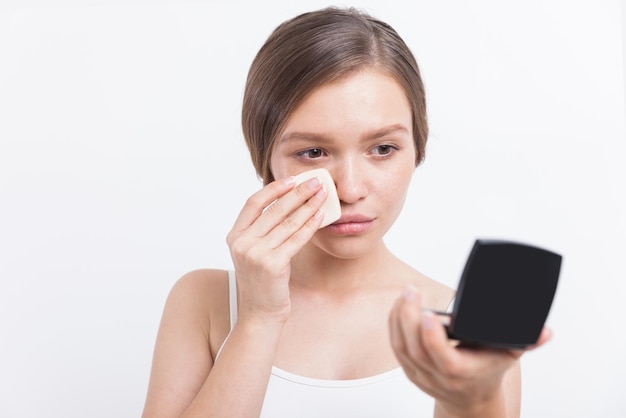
(182, 358)
(185, 381)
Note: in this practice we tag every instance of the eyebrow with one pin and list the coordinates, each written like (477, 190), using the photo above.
(374, 134)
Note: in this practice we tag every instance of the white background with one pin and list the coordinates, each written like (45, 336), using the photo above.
(122, 166)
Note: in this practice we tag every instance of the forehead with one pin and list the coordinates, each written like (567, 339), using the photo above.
(365, 100)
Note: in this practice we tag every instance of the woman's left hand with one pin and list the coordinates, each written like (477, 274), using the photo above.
(464, 382)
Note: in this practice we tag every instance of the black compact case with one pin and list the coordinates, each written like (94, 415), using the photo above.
(504, 295)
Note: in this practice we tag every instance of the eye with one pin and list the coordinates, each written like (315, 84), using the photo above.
(383, 149)
(311, 153)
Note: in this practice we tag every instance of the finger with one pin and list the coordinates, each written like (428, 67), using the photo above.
(436, 345)
(410, 312)
(298, 226)
(544, 337)
(256, 203)
(405, 323)
(461, 361)
(398, 343)
(296, 241)
(395, 333)
(281, 210)
(413, 368)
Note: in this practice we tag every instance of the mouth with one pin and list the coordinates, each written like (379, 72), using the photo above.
(353, 218)
(351, 224)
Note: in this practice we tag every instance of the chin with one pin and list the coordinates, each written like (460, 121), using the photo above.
(347, 248)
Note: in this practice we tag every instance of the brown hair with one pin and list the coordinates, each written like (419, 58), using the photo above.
(315, 48)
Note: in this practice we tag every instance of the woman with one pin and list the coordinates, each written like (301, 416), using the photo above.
(313, 321)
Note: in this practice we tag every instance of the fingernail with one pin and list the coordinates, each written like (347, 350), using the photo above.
(428, 319)
(313, 183)
(320, 193)
(410, 292)
(288, 181)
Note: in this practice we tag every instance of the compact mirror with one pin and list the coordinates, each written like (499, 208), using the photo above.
(504, 294)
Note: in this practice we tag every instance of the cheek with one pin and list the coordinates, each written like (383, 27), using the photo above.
(278, 166)
(396, 185)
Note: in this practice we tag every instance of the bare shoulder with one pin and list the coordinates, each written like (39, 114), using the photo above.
(200, 286)
(200, 298)
(193, 326)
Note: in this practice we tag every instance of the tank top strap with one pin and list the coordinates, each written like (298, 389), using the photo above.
(232, 305)
(232, 297)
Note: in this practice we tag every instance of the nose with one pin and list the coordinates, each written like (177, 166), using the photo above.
(351, 180)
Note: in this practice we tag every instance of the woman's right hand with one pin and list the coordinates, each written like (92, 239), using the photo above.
(265, 237)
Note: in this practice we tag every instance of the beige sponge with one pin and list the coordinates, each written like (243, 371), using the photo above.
(331, 207)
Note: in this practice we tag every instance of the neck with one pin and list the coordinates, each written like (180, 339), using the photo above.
(317, 270)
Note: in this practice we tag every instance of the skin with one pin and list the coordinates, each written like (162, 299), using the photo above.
(303, 292)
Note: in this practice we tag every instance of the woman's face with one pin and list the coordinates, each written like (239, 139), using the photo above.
(360, 129)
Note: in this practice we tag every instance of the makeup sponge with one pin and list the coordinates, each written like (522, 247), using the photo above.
(331, 207)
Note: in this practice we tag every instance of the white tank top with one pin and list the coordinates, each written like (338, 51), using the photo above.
(389, 395)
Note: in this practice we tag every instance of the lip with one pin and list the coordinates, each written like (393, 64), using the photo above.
(351, 224)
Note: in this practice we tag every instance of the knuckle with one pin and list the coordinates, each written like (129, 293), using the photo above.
(397, 343)
(255, 201)
(312, 224)
(412, 374)
(231, 238)
(313, 204)
(303, 191)
(297, 239)
(251, 254)
(251, 201)
(456, 386)
(274, 210)
(276, 265)
(289, 224)
(416, 353)
(409, 318)
(239, 249)
(265, 196)
(451, 369)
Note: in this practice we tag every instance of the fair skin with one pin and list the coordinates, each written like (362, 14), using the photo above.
(303, 292)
